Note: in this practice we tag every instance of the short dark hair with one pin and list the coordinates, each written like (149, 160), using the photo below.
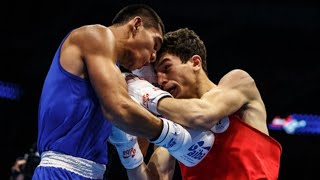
(184, 43)
(150, 18)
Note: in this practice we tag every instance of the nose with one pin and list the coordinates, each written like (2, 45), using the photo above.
(153, 57)
(162, 80)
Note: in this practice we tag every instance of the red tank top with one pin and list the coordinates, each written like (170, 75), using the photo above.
(240, 153)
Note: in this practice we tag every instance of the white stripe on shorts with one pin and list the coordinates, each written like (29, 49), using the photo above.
(80, 166)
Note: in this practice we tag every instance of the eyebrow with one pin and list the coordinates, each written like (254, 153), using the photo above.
(159, 41)
(160, 62)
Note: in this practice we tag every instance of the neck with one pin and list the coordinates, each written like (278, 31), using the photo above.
(120, 37)
(204, 85)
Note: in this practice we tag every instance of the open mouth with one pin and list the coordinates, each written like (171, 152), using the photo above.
(171, 90)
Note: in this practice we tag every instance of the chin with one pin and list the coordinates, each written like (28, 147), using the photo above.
(135, 67)
(124, 69)
(132, 68)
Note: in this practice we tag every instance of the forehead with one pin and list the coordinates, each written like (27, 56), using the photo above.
(166, 58)
(159, 30)
(157, 33)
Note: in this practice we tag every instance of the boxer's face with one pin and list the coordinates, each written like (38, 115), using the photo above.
(142, 47)
(176, 77)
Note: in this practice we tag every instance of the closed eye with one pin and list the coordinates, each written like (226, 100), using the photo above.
(166, 67)
(157, 44)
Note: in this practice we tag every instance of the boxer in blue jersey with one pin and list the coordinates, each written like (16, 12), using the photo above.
(85, 92)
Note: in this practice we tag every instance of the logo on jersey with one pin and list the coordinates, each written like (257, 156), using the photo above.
(221, 126)
(129, 153)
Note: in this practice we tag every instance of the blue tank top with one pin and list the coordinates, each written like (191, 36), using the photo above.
(70, 118)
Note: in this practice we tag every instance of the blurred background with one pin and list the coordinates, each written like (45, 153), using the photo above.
(277, 42)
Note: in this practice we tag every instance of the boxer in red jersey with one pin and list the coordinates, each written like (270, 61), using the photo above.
(232, 108)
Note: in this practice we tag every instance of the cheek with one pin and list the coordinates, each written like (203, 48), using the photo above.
(179, 78)
(138, 53)
(145, 41)
(186, 82)
(143, 56)
(142, 50)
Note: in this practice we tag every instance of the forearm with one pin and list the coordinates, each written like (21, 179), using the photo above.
(162, 163)
(142, 173)
(144, 145)
(134, 119)
(161, 166)
(132, 157)
(187, 112)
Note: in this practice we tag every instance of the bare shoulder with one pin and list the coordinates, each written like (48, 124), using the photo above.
(237, 74)
(237, 82)
(236, 77)
(92, 36)
(89, 29)
(86, 43)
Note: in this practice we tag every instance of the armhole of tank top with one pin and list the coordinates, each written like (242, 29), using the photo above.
(77, 78)
(267, 137)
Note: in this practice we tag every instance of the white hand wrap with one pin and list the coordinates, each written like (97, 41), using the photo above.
(127, 147)
(143, 91)
(186, 145)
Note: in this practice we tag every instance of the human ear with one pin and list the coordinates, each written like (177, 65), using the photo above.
(196, 62)
(137, 23)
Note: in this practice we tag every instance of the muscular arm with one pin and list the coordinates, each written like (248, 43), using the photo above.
(99, 54)
(234, 91)
(161, 166)
(163, 163)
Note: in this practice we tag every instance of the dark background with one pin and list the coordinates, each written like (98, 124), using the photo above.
(277, 42)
